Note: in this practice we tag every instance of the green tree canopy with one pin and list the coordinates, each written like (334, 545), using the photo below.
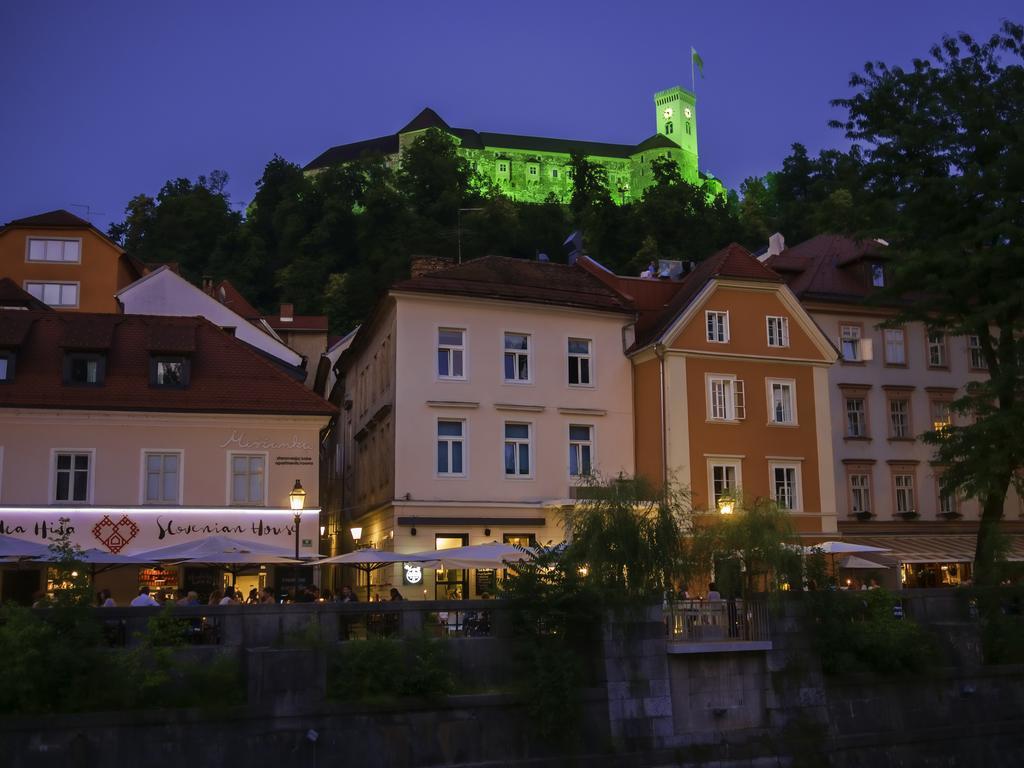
(942, 145)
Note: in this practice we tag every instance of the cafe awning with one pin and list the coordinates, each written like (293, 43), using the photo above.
(945, 548)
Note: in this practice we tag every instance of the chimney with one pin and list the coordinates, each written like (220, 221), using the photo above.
(424, 265)
(208, 285)
(287, 313)
(776, 244)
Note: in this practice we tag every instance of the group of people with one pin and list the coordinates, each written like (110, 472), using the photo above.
(231, 596)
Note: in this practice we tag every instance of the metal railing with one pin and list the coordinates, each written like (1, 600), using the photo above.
(709, 621)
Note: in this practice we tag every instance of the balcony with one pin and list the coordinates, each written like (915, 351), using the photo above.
(717, 626)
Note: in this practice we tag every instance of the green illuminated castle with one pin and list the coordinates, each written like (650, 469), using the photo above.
(530, 168)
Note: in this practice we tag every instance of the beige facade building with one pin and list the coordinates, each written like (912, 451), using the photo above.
(889, 386)
(142, 431)
(473, 402)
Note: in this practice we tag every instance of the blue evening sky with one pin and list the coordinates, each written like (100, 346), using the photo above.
(104, 100)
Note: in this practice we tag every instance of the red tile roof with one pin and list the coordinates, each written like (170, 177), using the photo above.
(827, 267)
(231, 297)
(52, 220)
(508, 279)
(227, 376)
(13, 295)
(734, 261)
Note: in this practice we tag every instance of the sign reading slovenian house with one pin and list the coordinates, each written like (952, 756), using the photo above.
(131, 530)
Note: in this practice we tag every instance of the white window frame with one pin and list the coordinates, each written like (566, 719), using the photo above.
(528, 442)
(528, 353)
(908, 427)
(770, 386)
(723, 461)
(907, 489)
(863, 415)
(451, 349)
(974, 348)
(890, 336)
(144, 454)
(778, 337)
(865, 491)
(576, 446)
(849, 333)
(231, 478)
(716, 326)
(733, 397)
(90, 484)
(939, 346)
(28, 250)
(62, 284)
(576, 357)
(797, 483)
(451, 439)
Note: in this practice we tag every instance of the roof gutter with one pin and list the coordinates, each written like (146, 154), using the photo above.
(659, 350)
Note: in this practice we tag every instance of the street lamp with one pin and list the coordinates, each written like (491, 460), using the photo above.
(357, 533)
(726, 505)
(297, 500)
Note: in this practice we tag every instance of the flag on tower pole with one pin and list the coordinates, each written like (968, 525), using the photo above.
(695, 59)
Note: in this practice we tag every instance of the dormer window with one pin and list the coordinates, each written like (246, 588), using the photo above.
(6, 366)
(84, 368)
(169, 371)
(877, 275)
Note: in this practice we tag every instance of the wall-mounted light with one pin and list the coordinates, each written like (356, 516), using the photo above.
(357, 532)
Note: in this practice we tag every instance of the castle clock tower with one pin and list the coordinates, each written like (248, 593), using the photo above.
(676, 118)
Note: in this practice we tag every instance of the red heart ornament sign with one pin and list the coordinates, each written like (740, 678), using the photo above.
(115, 536)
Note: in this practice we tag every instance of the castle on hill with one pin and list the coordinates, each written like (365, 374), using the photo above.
(532, 168)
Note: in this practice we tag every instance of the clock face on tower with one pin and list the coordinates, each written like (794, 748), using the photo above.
(687, 113)
(668, 113)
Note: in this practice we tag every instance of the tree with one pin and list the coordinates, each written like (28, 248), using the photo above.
(188, 223)
(942, 145)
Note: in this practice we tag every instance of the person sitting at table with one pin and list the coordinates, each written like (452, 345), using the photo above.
(347, 595)
(229, 597)
(215, 597)
(106, 601)
(144, 599)
(396, 595)
(713, 593)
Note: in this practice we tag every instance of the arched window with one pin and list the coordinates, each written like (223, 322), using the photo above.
(688, 131)
(668, 127)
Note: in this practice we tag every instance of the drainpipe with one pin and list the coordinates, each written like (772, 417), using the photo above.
(659, 350)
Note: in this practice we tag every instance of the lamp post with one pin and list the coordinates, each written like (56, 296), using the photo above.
(726, 505)
(297, 500)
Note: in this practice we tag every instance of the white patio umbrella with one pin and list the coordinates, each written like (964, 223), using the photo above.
(834, 548)
(492, 555)
(13, 548)
(852, 562)
(220, 550)
(369, 560)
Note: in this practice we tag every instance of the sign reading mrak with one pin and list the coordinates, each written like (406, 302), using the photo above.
(128, 530)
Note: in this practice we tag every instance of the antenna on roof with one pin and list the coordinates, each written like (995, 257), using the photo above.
(89, 212)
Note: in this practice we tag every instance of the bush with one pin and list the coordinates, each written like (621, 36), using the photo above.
(382, 670)
(857, 632)
(1001, 613)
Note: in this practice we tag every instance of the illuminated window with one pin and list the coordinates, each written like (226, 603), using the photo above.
(725, 480)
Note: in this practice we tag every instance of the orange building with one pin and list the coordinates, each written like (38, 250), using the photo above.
(65, 262)
(730, 387)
